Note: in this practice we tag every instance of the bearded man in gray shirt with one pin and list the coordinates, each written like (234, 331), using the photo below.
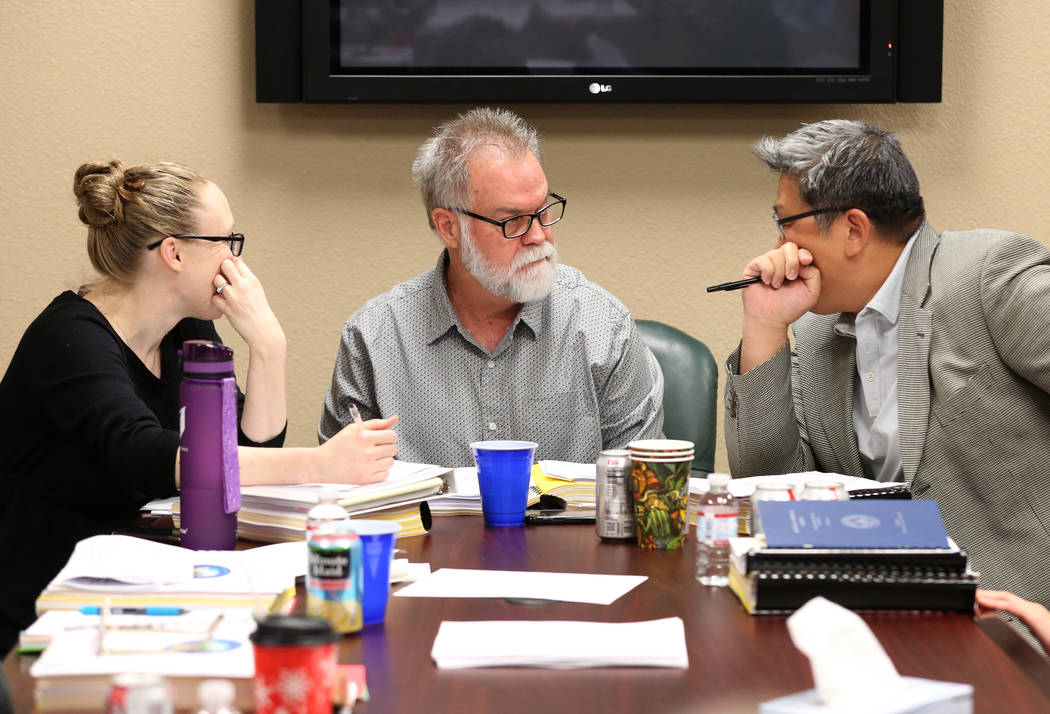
(497, 341)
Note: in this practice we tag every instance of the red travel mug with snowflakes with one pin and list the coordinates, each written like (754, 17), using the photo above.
(294, 665)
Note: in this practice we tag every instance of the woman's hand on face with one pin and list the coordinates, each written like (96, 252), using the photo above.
(359, 453)
(240, 297)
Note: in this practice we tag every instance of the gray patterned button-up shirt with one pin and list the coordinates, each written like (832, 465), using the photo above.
(571, 374)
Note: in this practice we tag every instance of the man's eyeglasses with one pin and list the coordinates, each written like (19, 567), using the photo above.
(781, 222)
(236, 241)
(517, 226)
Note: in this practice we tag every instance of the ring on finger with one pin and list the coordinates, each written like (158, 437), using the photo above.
(218, 290)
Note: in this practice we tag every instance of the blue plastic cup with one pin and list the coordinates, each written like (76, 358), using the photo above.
(503, 476)
(377, 552)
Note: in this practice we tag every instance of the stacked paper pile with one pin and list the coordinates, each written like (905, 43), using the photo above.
(463, 497)
(78, 667)
(862, 554)
(273, 514)
(562, 645)
(742, 488)
(133, 572)
(575, 483)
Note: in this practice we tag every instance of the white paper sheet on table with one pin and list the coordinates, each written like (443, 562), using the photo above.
(744, 487)
(561, 644)
(568, 470)
(566, 587)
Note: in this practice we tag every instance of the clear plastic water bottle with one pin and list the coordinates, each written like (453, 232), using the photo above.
(327, 508)
(216, 696)
(717, 513)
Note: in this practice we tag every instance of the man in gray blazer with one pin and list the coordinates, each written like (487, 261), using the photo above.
(918, 357)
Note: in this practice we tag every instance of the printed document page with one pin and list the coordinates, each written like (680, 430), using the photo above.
(561, 644)
(566, 587)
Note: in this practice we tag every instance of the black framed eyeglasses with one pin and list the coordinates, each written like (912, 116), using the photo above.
(517, 226)
(781, 222)
(236, 241)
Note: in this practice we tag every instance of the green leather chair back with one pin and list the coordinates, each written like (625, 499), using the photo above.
(690, 388)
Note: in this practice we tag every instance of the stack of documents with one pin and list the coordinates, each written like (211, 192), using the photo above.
(133, 572)
(463, 497)
(742, 488)
(570, 481)
(655, 643)
(524, 584)
(273, 514)
(76, 670)
(863, 554)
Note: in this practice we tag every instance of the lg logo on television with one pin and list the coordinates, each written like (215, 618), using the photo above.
(600, 88)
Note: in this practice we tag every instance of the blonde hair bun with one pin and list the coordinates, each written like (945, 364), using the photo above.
(125, 209)
(95, 186)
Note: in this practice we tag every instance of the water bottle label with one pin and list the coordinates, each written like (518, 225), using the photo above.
(182, 421)
(716, 528)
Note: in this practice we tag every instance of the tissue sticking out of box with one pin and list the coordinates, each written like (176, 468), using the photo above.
(849, 665)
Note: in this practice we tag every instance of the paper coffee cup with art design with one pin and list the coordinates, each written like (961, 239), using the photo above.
(660, 470)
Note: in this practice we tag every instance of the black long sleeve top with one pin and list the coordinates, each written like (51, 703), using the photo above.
(87, 436)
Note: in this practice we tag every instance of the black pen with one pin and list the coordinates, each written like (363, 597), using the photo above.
(735, 285)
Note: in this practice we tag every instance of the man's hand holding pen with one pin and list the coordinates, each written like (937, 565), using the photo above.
(790, 288)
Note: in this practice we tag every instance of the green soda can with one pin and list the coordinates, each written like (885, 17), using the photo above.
(333, 577)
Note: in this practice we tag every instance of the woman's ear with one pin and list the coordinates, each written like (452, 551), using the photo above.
(171, 255)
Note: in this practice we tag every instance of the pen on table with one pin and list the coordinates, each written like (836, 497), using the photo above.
(735, 285)
(356, 414)
(95, 610)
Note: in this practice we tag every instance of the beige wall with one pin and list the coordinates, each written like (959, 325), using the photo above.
(663, 199)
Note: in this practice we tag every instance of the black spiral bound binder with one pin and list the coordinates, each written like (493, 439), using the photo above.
(896, 490)
(784, 591)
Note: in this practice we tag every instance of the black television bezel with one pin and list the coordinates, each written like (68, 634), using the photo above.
(877, 85)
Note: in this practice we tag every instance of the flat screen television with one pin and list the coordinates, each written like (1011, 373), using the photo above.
(382, 51)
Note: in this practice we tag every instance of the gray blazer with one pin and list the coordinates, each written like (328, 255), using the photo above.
(973, 396)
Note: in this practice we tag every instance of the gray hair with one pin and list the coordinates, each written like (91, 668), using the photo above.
(442, 166)
(852, 164)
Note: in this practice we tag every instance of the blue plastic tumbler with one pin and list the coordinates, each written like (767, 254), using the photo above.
(377, 552)
(503, 476)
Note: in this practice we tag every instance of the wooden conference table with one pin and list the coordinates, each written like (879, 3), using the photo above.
(736, 660)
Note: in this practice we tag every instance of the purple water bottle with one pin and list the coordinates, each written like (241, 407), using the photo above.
(209, 477)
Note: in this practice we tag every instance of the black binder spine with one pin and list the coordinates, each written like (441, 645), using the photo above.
(797, 559)
(871, 590)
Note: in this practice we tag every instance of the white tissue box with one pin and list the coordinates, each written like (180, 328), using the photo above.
(916, 696)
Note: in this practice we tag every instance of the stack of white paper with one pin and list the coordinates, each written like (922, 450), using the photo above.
(463, 497)
(561, 644)
(744, 487)
(278, 513)
(565, 587)
(133, 572)
(72, 674)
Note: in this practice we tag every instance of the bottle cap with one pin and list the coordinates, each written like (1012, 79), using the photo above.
(295, 630)
(205, 351)
(216, 695)
(719, 480)
(329, 493)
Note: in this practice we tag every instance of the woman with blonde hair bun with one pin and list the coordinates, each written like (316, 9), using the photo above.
(89, 404)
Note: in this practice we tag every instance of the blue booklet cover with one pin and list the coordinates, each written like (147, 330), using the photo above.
(853, 524)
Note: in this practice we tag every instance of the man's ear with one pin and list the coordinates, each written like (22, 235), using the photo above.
(170, 252)
(446, 223)
(859, 231)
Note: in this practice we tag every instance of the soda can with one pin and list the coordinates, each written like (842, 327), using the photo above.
(824, 490)
(614, 515)
(767, 491)
(333, 576)
(140, 694)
